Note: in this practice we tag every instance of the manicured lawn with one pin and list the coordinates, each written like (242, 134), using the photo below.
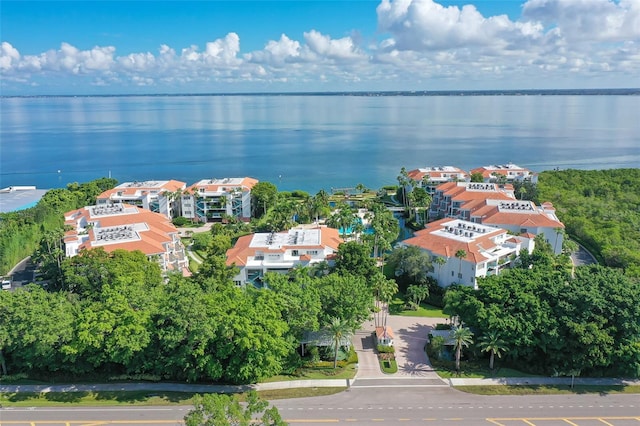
(481, 373)
(396, 307)
(298, 393)
(103, 399)
(30, 399)
(389, 367)
(546, 390)
(347, 372)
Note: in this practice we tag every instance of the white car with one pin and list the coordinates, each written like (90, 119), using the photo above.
(6, 284)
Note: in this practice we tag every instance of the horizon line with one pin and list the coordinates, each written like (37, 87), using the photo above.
(471, 92)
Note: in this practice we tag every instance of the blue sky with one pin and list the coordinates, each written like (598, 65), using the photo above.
(111, 47)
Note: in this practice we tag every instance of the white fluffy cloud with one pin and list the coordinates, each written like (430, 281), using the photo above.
(588, 20)
(425, 24)
(418, 41)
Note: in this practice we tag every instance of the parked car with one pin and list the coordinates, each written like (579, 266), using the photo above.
(6, 284)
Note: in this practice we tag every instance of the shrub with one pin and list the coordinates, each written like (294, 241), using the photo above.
(386, 349)
(180, 221)
(436, 293)
(353, 356)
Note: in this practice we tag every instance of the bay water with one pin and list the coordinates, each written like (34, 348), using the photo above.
(307, 142)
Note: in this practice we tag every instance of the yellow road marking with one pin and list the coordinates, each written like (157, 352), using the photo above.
(495, 422)
(570, 422)
(312, 420)
(528, 422)
(605, 422)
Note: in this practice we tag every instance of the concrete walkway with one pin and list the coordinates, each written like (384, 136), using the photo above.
(356, 383)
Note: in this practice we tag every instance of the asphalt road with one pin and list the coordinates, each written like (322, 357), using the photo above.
(396, 405)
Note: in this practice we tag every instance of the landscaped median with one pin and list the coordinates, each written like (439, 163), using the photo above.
(387, 359)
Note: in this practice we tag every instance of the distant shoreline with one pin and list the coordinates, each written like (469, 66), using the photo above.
(524, 92)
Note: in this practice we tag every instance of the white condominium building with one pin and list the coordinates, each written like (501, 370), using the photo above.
(430, 177)
(453, 199)
(469, 250)
(257, 254)
(209, 200)
(122, 226)
(520, 217)
(156, 195)
(509, 172)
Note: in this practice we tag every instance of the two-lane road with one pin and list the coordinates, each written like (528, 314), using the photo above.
(384, 405)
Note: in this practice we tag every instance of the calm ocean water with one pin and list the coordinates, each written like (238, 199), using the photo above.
(307, 142)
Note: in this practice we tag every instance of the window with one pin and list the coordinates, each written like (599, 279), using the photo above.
(451, 273)
(459, 275)
(294, 253)
(312, 252)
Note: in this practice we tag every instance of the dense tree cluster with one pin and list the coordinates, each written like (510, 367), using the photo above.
(115, 315)
(22, 231)
(547, 321)
(601, 210)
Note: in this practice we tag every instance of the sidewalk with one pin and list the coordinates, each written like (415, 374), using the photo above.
(420, 382)
(524, 381)
(174, 387)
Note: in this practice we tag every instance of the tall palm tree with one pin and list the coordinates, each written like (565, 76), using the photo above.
(460, 254)
(337, 329)
(462, 337)
(439, 261)
(342, 218)
(492, 342)
(384, 290)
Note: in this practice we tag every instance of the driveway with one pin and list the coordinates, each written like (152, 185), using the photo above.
(368, 367)
(410, 337)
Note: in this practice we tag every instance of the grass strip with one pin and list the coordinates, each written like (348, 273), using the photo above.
(139, 398)
(548, 389)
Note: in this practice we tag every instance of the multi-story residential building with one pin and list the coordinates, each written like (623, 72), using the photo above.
(522, 216)
(430, 177)
(507, 172)
(457, 199)
(127, 227)
(211, 199)
(257, 254)
(469, 250)
(156, 195)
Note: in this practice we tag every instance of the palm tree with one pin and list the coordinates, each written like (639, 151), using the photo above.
(342, 218)
(384, 290)
(460, 254)
(337, 329)
(439, 261)
(462, 337)
(492, 342)
(361, 188)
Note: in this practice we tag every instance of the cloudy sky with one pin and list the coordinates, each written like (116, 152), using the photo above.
(118, 47)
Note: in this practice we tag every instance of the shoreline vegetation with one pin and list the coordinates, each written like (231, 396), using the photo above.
(115, 315)
(514, 92)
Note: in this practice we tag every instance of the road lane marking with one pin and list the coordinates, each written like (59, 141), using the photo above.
(570, 422)
(605, 422)
(528, 422)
